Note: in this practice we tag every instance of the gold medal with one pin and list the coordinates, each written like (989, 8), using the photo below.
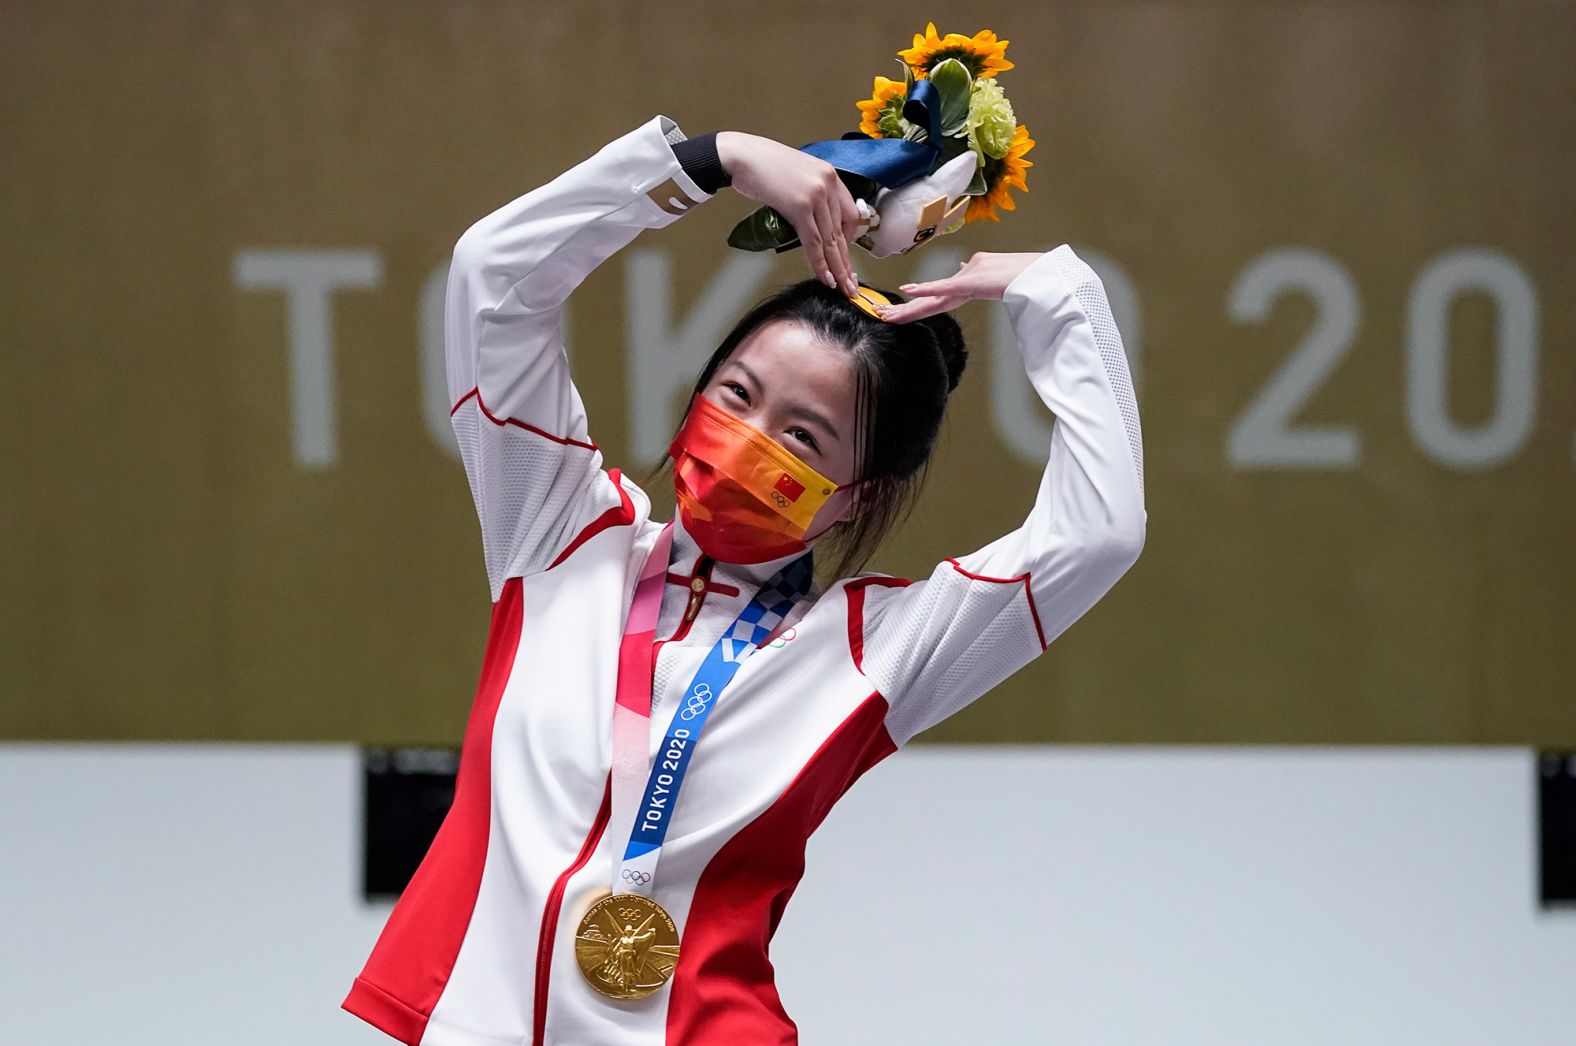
(627, 946)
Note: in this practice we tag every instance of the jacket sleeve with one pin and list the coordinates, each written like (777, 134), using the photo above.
(534, 472)
(936, 645)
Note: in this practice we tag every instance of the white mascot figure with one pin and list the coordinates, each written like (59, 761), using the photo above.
(906, 217)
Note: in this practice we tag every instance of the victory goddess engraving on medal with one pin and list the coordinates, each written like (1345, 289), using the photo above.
(627, 946)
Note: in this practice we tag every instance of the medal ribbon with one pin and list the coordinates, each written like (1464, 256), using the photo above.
(649, 812)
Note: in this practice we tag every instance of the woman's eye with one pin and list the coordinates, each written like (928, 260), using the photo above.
(804, 437)
(737, 389)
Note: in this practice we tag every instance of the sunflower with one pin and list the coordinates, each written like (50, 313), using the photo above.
(982, 53)
(883, 110)
(1001, 175)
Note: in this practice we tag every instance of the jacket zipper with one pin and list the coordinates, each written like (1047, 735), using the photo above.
(555, 903)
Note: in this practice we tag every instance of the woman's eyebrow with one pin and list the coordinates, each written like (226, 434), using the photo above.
(748, 373)
(818, 418)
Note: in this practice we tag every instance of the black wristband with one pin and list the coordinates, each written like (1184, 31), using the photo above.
(698, 157)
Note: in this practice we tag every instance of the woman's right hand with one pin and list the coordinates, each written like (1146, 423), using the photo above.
(804, 190)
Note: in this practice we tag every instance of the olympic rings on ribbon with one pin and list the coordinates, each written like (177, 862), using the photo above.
(639, 878)
(696, 702)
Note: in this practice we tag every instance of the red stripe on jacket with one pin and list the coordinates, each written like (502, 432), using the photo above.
(723, 991)
(1028, 593)
(554, 907)
(527, 426)
(414, 956)
(855, 590)
(620, 515)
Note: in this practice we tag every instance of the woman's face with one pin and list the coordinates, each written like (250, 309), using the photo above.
(798, 389)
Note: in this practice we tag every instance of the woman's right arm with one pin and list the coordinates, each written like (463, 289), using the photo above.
(534, 472)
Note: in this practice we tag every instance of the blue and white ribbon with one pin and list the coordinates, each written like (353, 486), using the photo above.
(636, 872)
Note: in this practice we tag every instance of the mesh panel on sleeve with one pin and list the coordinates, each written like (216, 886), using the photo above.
(1091, 297)
(464, 422)
(945, 645)
(525, 488)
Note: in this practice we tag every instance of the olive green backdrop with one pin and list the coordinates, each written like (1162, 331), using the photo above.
(1342, 234)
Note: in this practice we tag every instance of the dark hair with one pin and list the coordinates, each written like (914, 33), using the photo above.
(903, 374)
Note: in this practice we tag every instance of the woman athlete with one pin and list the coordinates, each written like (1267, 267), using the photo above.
(667, 711)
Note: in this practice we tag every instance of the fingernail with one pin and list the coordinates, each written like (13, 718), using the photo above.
(908, 288)
(831, 281)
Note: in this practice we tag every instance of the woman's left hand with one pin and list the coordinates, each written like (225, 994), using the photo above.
(982, 276)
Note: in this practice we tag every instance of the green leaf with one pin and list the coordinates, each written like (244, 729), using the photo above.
(951, 149)
(954, 82)
(977, 186)
(763, 230)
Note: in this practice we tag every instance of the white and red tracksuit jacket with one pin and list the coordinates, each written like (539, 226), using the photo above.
(479, 949)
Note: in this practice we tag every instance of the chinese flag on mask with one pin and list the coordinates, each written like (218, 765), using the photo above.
(789, 487)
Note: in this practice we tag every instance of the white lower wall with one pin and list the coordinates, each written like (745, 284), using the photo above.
(1263, 897)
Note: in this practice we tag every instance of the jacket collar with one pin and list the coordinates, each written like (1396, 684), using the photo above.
(745, 576)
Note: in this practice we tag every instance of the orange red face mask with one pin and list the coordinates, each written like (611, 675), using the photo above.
(742, 496)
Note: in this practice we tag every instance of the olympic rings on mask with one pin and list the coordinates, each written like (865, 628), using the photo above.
(639, 878)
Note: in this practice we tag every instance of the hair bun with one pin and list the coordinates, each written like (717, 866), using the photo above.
(949, 339)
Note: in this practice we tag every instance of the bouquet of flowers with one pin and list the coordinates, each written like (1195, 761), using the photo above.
(937, 149)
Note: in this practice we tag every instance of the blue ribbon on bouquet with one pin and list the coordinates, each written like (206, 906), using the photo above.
(891, 162)
(888, 162)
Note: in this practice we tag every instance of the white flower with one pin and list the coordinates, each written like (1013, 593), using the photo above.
(991, 119)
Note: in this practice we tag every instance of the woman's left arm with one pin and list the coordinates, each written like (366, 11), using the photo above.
(936, 645)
